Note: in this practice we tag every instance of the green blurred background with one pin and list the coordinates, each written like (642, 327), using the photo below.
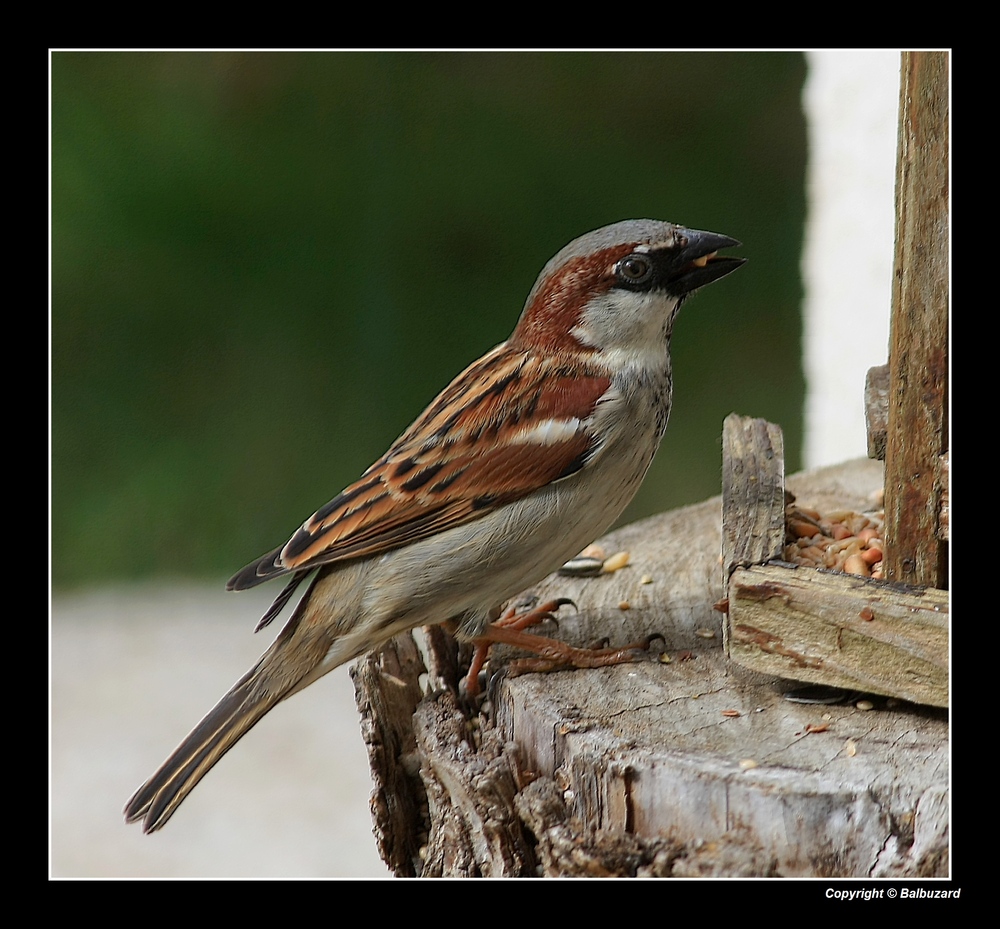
(264, 265)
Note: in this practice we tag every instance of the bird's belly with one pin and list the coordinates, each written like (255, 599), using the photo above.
(471, 569)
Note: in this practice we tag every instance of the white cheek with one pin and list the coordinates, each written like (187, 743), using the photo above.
(632, 330)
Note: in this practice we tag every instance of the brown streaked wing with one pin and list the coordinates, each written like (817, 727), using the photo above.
(464, 456)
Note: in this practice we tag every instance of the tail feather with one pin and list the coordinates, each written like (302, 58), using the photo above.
(234, 715)
(300, 653)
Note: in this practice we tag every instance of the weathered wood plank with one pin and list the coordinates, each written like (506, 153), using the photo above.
(753, 490)
(944, 482)
(877, 410)
(918, 343)
(841, 630)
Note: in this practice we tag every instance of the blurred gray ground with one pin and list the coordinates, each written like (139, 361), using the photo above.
(133, 669)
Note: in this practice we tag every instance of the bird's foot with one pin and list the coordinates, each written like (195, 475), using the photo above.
(551, 654)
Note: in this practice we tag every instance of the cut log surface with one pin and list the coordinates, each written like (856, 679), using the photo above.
(680, 763)
(694, 752)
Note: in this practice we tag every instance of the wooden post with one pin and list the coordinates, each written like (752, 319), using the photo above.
(917, 433)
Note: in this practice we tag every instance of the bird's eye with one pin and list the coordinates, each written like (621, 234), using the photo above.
(634, 269)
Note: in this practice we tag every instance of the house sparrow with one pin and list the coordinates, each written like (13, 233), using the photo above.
(525, 458)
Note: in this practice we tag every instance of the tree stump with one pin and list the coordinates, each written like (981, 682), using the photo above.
(678, 765)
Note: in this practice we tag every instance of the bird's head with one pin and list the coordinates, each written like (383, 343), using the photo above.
(617, 289)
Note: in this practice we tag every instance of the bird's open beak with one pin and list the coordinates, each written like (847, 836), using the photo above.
(698, 262)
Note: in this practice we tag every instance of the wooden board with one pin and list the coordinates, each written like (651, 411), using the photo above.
(841, 630)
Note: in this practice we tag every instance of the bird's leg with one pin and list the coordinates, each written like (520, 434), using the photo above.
(510, 620)
(552, 654)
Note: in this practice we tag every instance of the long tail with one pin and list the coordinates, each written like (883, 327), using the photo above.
(296, 658)
(232, 717)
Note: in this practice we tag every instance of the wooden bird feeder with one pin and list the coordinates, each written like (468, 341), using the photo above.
(844, 630)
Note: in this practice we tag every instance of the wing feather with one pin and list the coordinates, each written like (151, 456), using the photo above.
(506, 426)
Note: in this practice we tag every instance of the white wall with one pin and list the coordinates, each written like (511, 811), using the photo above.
(851, 99)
